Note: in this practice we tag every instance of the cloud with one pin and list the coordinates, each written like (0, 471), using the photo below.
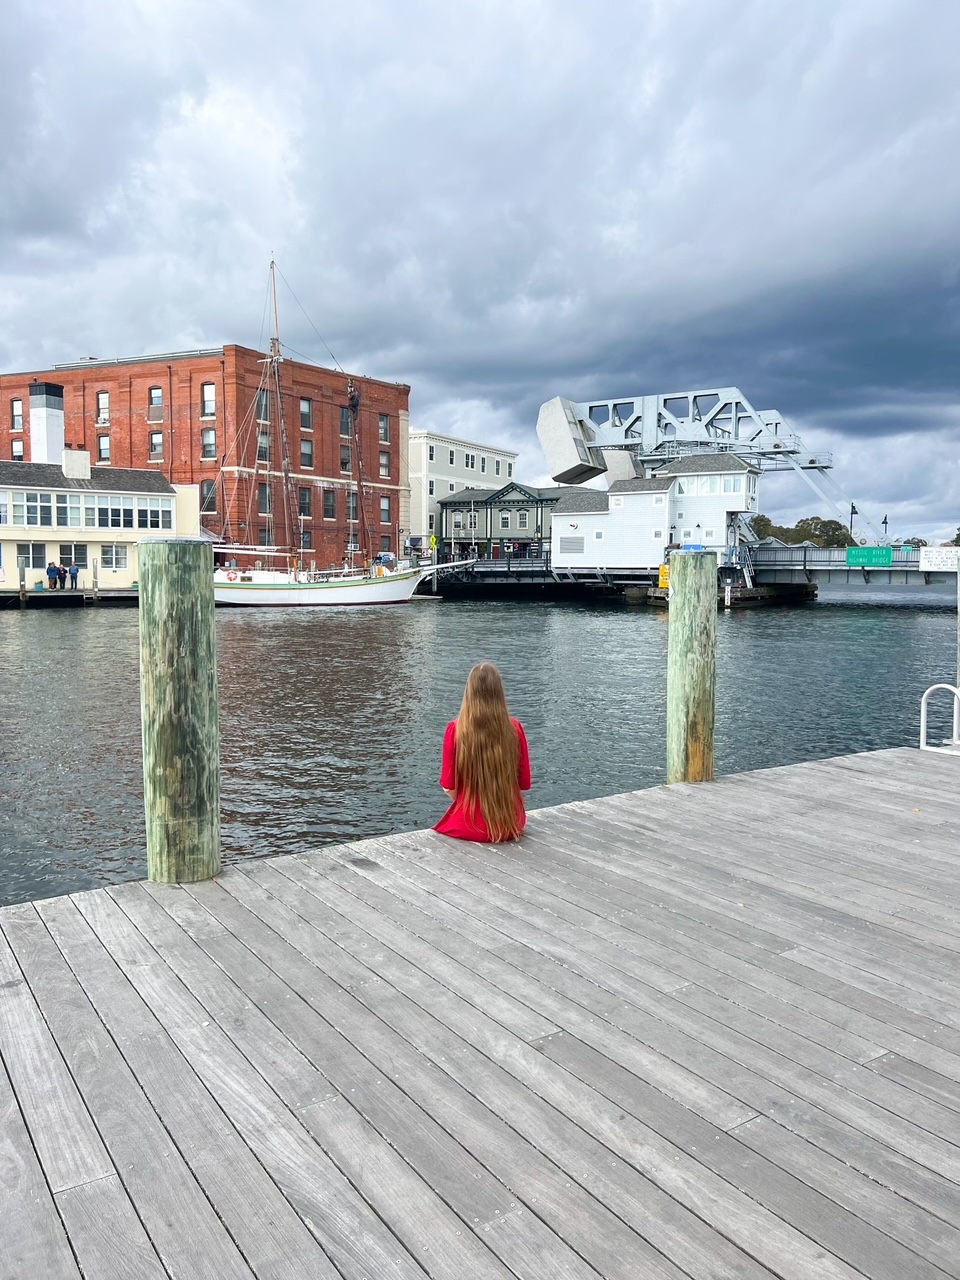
(500, 202)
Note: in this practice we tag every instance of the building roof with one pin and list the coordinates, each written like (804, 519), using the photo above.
(702, 463)
(491, 497)
(47, 475)
(435, 437)
(575, 498)
(656, 484)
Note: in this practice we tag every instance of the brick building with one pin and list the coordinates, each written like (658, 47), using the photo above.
(273, 470)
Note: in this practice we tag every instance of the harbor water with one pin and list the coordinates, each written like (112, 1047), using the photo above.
(332, 720)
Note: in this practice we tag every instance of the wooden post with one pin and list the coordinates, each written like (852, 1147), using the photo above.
(691, 666)
(180, 709)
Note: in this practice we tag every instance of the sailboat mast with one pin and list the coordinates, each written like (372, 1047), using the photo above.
(288, 486)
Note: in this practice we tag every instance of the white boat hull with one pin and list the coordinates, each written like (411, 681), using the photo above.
(265, 588)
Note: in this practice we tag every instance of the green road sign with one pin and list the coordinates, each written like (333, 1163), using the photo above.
(869, 557)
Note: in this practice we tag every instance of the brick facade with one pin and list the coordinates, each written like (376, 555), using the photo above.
(193, 416)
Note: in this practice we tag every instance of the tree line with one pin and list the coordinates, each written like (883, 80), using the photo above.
(823, 533)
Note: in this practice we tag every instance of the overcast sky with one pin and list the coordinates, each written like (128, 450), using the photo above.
(499, 201)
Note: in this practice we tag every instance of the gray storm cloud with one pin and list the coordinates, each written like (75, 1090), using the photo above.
(502, 202)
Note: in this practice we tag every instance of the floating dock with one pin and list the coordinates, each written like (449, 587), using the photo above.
(705, 1031)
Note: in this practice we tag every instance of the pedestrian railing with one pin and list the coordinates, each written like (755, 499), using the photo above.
(949, 746)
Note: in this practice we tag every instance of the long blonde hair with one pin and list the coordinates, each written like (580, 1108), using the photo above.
(487, 754)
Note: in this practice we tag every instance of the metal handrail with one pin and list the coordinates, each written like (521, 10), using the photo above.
(951, 746)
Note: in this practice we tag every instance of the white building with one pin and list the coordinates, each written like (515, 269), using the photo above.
(691, 502)
(94, 518)
(442, 465)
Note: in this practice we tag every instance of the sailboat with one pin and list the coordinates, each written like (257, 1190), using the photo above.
(360, 580)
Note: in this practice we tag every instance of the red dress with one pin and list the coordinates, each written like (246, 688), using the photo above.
(458, 821)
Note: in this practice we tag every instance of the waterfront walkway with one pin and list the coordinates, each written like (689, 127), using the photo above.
(700, 1031)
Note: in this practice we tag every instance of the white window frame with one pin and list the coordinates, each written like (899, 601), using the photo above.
(114, 557)
(208, 405)
(504, 519)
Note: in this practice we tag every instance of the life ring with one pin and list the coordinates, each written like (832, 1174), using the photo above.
(232, 575)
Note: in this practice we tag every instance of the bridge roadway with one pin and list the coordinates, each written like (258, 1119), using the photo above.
(706, 1032)
(787, 567)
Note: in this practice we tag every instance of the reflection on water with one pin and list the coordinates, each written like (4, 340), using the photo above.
(332, 721)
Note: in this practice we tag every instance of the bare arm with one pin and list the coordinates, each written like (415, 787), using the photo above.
(451, 794)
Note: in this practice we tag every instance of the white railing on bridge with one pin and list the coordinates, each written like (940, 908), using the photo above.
(805, 557)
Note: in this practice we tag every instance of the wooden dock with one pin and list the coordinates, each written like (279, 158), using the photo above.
(700, 1031)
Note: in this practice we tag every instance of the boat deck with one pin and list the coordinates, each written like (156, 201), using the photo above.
(700, 1031)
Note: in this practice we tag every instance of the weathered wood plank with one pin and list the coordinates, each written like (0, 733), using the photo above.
(60, 1126)
(108, 1237)
(32, 1238)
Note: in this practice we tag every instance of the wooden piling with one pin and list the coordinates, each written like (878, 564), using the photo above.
(691, 666)
(180, 709)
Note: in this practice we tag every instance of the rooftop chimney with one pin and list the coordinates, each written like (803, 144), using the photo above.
(76, 464)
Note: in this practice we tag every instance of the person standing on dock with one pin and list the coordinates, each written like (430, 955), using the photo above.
(62, 576)
(74, 575)
(486, 764)
(53, 575)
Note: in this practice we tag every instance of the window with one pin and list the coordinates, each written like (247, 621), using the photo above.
(385, 465)
(156, 446)
(431, 487)
(33, 508)
(103, 410)
(4, 508)
(751, 484)
(452, 487)
(658, 535)
(208, 400)
(658, 500)
(74, 553)
(208, 495)
(458, 520)
(17, 451)
(483, 464)
(306, 414)
(709, 535)
(264, 500)
(263, 445)
(598, 535)
(113, 555)
(472, 520)
(385, 542)
(305, 507)
(431, 522)
(385, 509)
(346, 421)
(155, 404)
(496, 467)
(114, 512)
(452, 457)
(306, 453)
(306, 539)
(681, 487)
(155, 513)
(263, 536)
(509, 470)
(353, 506)
(504, 519)
(385, 428)
(733, 484)
(16, 415)
(263, 405)
(431, 453)
(346, 457)
(208, 442)
(523, 519)
(329, 504)
(470, 461)
(68, 511)
(103, 448)
(687, 535)
(32, 555)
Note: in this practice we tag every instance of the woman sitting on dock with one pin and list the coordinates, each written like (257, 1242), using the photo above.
(486, 764)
